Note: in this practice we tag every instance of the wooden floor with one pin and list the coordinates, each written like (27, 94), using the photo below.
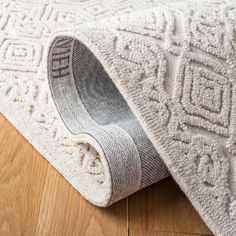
(36, 200)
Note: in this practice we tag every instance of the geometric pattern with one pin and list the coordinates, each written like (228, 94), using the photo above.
(202, 98)
(206, 98)
(25, 27)
(189, 114)
(20, 55)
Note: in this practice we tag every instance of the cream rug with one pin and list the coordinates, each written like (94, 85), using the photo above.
(158, 77)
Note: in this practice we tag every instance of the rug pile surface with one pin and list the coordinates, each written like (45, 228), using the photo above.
(117, 95)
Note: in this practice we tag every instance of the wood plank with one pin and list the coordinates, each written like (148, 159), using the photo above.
(22, 177)
(164, 207)
(141, 232)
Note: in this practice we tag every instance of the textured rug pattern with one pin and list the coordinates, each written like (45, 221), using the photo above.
(174, 65)
(26, 26)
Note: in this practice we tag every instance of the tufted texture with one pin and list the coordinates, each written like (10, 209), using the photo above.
(25, 28)
(168, 85)
(175, 67)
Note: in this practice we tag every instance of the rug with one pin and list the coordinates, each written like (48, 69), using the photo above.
(123, 87)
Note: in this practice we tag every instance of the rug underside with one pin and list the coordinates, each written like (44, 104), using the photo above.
(127, 92)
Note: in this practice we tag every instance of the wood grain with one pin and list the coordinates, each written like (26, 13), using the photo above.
(22, 177)
(36, 200)
(164, 208)
(141, 232)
